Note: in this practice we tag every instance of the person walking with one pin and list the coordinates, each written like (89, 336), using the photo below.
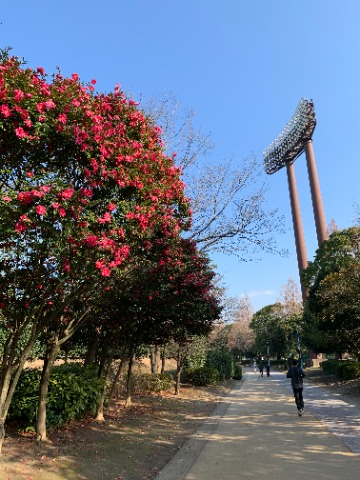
(297, 374)
(261, 368)
(255, 366)
(268, 367)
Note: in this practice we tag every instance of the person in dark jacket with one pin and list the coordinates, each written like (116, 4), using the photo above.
(297, 374)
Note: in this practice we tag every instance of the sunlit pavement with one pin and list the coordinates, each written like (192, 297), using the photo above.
(256, 433)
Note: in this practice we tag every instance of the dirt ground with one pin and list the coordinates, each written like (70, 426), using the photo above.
(132, 444)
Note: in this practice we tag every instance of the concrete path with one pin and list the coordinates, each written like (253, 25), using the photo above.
(255, 433)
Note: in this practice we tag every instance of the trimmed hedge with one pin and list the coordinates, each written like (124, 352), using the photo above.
(202, 376)
(74, 390)
(237, 372)
(222, 361)
(344, 369)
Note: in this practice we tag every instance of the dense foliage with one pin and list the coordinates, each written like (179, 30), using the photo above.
(74, 390)
(333, 306)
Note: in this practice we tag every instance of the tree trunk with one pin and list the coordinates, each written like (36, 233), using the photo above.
(178, 373)
(154, 358)
(10, 374)
(100, 409)
(50, 357)
(2, 433)
(163, 360)
(117, 377)
(128, 381)
(92, 350)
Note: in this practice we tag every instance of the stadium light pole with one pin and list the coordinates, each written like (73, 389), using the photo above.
(295, 138)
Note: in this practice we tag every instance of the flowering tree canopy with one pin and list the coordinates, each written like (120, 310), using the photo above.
(83, 180)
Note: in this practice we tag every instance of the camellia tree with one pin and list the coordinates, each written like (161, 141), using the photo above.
(83, 178)
(170, 297)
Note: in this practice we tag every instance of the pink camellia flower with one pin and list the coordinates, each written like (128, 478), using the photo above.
(25, 197)
(111, 207)
(87, 192)
(41, 70)
(20, 132)
(7, 199)
(67, 193)
(62, 212)
(40, 210)
(20, 227)
(105, 272)
(29, 174)
(91, 240)
(62, 118)
(5, 111)
(18, 95)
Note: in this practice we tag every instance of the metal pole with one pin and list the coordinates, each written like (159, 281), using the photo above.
(318, 208)
(268, 359)
(297, 223)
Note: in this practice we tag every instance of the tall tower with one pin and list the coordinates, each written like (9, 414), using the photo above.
(295, 139)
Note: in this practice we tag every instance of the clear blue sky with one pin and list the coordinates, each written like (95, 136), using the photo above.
(243, 67)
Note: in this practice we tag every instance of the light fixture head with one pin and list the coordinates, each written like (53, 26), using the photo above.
(289, 145)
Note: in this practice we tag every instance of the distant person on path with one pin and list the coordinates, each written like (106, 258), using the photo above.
(268, 367)
(255, 366)
(261, 368)
(297, 374)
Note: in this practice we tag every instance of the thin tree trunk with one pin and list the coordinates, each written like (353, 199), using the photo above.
(10, 374)
(154, 358)
(128, 381)
(49, 361)
(117, 377)
(100, 409)
(178, 373)
(163, 360)
(92, 350)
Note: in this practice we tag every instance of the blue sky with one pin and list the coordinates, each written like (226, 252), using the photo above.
(242, 66)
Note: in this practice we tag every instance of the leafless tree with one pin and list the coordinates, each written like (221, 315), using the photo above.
(228, 200)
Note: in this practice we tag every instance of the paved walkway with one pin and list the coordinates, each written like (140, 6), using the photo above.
(255, 433)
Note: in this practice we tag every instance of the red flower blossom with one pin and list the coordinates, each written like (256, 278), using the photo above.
(40, 210)
(18, 95)
(62, 118)
(67, 193)
(20, 132)
(25, 197)
(105, 272)
(5, 111)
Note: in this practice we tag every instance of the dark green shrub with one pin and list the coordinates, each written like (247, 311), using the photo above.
(344, 369)
(74, 390)
(347, 370)
(329, 366)
(237, 372)
(222, 361)
(202, 376)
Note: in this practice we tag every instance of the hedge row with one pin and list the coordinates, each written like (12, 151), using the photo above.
(74, 390)
(344, 369)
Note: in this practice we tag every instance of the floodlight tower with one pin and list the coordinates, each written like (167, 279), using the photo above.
(295, 139)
